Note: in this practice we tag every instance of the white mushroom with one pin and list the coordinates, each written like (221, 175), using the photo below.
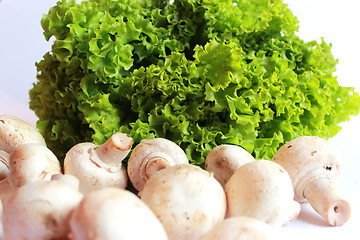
(114, 213)
(188, 200)
(224, 159)
(14, 132)
(262, 189)
(40, 210)
(29, 162)
(314, 165)
(99, 166)
(150, 156)
(242, 228)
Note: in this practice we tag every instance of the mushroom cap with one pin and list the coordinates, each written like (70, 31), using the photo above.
(224, 159)
(67, 179)
(39, 210)
(78, 163)
(148, 149)
(14, 132)
(309, 158)
(262, 189)
(113, 213)
(30, 162)
(188, 200)
(242, 228)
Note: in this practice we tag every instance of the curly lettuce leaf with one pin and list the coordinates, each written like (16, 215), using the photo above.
(200, 73)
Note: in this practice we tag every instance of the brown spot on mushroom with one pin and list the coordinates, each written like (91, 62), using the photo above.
(50, 221)
(43, 174)
(199, 218)
(313, 153)
(289, 146)
(186, 216)
(329, 168)
(336, 209)
(223, 163)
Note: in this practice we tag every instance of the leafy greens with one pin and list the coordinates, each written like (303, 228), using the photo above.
(198, 72)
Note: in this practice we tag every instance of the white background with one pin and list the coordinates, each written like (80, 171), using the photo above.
(22, 44)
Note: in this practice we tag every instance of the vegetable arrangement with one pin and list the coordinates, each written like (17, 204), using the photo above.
(200, 73)
(177, 201)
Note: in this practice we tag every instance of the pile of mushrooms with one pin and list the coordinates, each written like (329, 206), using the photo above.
(108, 191)
(24, 154)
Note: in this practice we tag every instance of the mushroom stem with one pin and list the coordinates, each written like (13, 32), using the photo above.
(325, 198)
(115, 149)
(155, 165)
(5, 189)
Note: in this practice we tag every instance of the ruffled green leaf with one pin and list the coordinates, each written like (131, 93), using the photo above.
(198, 72)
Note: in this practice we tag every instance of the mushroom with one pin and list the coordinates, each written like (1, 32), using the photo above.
(150, 156)
(40, 209)
(188, 200)
(242, 228)
(262, 189)
(224, 159)
(114, 213)
(99, 166)
(29, 162)
(14, 132)
(314, 166)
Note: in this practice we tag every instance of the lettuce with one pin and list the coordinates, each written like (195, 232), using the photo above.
(198, 72)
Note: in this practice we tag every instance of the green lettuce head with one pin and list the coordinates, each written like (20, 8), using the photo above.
(198, 72)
